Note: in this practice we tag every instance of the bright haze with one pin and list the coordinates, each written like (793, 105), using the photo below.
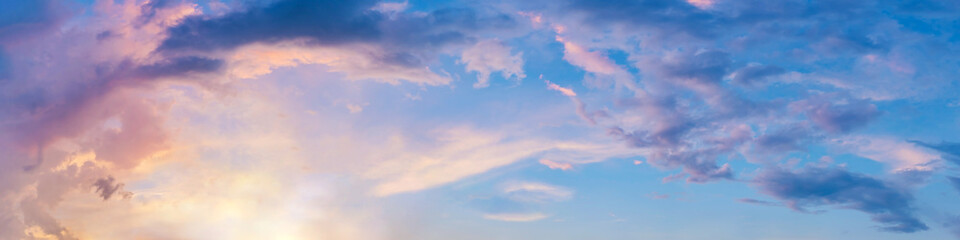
(479, 119)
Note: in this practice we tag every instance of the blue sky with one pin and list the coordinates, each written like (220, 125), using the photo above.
(569, 119)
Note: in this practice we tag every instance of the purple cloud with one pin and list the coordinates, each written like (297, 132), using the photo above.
(756, 75)
(841, 116)
(817, 186)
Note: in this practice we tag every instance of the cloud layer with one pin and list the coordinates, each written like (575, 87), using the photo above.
(275, 116)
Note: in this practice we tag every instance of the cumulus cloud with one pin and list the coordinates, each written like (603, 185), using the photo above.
(90, 116)
(490, 56)
(35, 215)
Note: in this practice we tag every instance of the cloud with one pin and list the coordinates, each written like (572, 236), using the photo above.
(556, 165)
(899, 155)
(702, 4)
(668, 147)
(357, 62)
(392, 7)
(520, 201)
(565, 91)
(516, 217)
(107, 188)
(591, 61)
(953, 224)
(838, 117)
(536, 192)
(955, 182)
(783, 140)
(93, 98)
(323, 22)
(459, 152)
(756, 74)
(89, 118)
(24, 20)
(701, 67)
(489, 56)
(581, 108)
(354, 108)
(177, 67)
(757, 202)
(36, 215)
(817, 186)
(347, 36)
(948, 150)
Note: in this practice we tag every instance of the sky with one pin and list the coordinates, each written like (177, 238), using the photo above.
(479, 119)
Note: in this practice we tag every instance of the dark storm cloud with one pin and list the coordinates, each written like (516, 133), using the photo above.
(815, 187)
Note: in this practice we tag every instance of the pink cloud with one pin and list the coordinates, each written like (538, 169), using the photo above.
(565, 91)
(490, 56)
(556, 165)
(701, 4)
(591, 61)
